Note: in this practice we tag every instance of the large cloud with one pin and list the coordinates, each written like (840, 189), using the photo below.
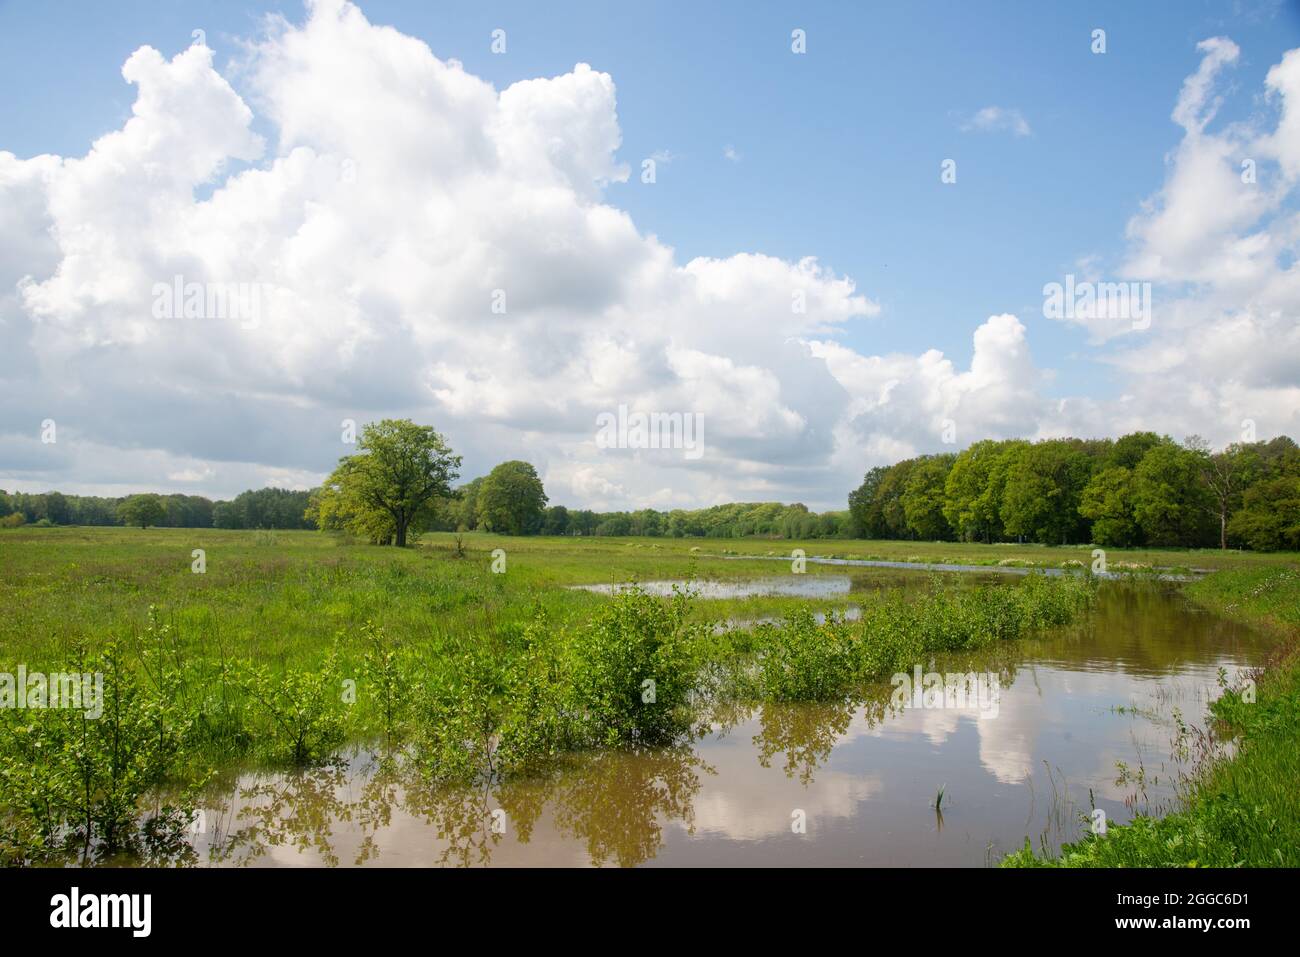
(427, 246)
(1220, 241)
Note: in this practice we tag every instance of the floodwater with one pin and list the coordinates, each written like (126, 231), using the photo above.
(799, 586)
(1103, 714)
(1159, 574)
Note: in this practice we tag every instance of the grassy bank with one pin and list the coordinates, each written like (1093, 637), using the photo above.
(1238, 811)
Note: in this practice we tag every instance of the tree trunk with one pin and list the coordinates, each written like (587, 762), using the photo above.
(1223, 530)
(401, 535)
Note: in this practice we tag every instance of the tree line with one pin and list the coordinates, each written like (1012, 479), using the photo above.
(735, 520)
(400, 483)
(262, 508)
(1142, 489)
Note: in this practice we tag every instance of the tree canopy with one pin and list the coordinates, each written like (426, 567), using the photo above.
(142, 510)
(512, 500)
(393, 485)
(1140, 489)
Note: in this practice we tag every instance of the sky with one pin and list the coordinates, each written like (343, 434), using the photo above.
(843, 256)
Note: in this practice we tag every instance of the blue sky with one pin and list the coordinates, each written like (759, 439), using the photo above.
(837, 152)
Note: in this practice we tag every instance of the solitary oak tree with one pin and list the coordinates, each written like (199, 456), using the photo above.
(391, 486)
(142, 510)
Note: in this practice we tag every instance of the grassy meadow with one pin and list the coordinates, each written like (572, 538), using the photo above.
(60, 586)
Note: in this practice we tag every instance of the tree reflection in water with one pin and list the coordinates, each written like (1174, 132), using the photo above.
(615, 802)
(804, 733)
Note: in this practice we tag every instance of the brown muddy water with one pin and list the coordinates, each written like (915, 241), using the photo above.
(1102, 714)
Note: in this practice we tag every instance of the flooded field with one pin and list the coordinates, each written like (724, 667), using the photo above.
(790, 586)
(1104, 714)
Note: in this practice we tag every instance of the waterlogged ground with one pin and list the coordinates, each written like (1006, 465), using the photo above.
(1103, 714)
(798, 586)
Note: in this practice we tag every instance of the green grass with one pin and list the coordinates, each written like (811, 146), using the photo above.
(1240, 810)
(60, 585)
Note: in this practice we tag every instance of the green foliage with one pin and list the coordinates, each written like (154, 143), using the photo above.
(974, 488)
(462, 508)
(803, 660)
(142, 510)
(539, 723)
(1170, 502)
(1141, 489)
(263, 508)
(634, 666)
(459, 717)
(1044, 485)
(1108, 502)
(391, 487)
(923, 498)
(482, 716)
(556, 521)
(1269, 519)
(800, 659)
(386, 674)
(72, 782)
(511, 499)
(304, 708)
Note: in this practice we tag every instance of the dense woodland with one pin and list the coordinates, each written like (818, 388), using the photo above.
(264, 508)
(1141, 489)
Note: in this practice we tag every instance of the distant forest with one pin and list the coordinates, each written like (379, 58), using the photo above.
(275, 508)
(264, 508)
(1139, 490)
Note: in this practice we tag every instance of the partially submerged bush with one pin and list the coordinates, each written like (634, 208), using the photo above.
(302, 708)
(72, 780)
(801, 660)
(804, 660)
(633, 668)
(457, 720)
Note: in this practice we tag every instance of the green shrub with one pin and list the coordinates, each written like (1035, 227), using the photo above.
(805, 661)
(72, 785)
(300, 710)
(458, 716)
(387, 678)
(634, 666)
(800, 660)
